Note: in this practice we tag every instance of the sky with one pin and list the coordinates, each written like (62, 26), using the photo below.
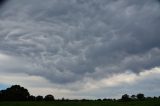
(81, 48)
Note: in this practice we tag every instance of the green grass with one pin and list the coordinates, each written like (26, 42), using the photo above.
(84, 103)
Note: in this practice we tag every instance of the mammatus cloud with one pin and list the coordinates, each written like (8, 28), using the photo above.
(67, 42)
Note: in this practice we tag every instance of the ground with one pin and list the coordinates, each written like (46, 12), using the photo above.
(84, 103)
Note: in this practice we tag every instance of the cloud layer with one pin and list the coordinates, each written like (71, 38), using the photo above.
(69, 42)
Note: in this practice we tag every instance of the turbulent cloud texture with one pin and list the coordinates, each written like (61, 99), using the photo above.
(74, 41)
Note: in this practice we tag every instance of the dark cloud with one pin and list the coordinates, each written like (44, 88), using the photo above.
(2, 2)
(68, 41)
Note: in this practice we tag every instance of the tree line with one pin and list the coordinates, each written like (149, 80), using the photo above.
(138, 97)
(18, 93)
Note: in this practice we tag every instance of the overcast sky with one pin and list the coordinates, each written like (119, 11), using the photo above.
(81, 48)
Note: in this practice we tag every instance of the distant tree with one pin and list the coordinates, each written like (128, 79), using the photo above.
(31, 98)
(15, 93)
(18, 93)
(39, 98)
(105, 99)
(99, 99)
(113, 99)
(133, 97)
(1, 96)
(49, 98)
(155, 97)
(125, 97)
(63, 99)
(140, 96)
(148, 98)
(83, 99)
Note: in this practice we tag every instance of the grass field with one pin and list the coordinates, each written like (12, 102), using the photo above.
(84, 103)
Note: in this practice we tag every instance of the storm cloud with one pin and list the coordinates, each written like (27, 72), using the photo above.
(74, 40)
(2, 2)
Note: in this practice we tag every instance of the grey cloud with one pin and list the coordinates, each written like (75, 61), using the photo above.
(2, 2)
(67, 41)
(143, 83)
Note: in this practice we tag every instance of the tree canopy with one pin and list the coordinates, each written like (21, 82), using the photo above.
(14, 93)
(18, 93)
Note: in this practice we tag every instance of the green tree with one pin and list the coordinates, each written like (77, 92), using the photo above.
(39, 98)
(133, 97)
(125, 97)
(49, 98)
(140, 96)
(16, 93)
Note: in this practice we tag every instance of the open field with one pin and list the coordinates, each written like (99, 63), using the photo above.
(83, 103)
